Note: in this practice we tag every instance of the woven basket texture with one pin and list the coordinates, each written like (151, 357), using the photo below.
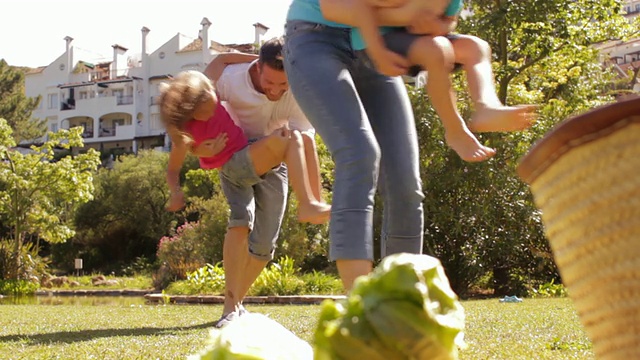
(590, 203)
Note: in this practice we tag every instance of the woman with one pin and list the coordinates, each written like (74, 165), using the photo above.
(366, 121)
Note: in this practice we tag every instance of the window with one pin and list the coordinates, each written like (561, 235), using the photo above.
(54, 127)
(637, 7)
(156, 124)
(52, 101)
(83, 95)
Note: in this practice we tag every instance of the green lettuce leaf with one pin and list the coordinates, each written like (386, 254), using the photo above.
(404, 309)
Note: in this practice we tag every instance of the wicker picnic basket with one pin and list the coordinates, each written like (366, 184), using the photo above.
(585, 178)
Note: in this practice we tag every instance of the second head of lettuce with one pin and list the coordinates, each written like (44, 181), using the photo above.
(404, 309)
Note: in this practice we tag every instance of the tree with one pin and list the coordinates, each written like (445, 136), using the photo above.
(128, 215)
(36, 192)
(480, 219)
(15, 107)
(523, 34)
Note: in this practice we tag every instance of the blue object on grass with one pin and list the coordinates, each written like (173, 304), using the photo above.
(511, 299)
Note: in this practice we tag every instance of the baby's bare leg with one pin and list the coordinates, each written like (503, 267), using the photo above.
(435, 54)
(313, 165)
(287, 146)
(309, 209)
(490, 114)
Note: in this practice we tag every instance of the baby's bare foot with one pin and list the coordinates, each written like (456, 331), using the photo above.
(468, 147)
(503, 118)
(314, 212)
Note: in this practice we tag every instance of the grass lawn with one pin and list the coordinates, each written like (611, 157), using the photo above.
(534, 329)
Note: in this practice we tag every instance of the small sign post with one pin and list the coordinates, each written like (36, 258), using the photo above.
(78, 266)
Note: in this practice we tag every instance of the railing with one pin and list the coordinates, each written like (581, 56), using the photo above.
(87, 133)
(125, 100)
(107, 132)
(119, 132)
(107, 74)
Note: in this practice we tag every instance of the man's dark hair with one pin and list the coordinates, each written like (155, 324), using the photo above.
(271, 53)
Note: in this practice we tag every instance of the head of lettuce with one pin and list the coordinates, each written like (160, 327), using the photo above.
(405, 309)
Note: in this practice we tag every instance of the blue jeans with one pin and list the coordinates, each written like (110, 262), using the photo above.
(366, 121)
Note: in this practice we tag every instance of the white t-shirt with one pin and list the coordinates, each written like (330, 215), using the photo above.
(254, 112)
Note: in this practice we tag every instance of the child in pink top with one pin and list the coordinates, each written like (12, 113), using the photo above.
(192, 115)
(219, 123)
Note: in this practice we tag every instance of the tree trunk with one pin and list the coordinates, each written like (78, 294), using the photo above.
(501, 280)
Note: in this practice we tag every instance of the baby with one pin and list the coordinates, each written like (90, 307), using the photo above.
(437, 52)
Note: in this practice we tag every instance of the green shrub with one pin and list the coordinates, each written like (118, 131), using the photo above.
(25, 265)
(140, 266)
(18, 287)
(279, 278)
(319, 283)
(181, 253)
(207, 279)
(548, 290)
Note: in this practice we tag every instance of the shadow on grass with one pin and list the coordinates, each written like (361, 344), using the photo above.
(85, 335)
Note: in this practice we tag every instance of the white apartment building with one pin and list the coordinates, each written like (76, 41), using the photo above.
(115, 101)
(624, 56)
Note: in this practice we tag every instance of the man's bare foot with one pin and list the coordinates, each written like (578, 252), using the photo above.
(503, 118)
(314, 212)
(468, 147)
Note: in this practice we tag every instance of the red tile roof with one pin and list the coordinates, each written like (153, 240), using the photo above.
(37, 70)
(196, 45)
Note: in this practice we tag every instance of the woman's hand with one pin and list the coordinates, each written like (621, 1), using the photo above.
(211, 147)
(176, 201)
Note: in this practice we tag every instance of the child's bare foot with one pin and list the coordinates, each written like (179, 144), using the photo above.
(468, 147)
(314, 212)
(503, 118)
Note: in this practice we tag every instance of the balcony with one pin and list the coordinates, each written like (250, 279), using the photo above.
(124, 100)
(119, 132)
(68, 104)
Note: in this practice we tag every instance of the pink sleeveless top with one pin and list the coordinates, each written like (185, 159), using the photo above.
(220, 122)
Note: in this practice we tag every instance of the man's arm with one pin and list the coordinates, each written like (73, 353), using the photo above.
(217, 65)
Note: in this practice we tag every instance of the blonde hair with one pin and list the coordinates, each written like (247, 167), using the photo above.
(178, 100)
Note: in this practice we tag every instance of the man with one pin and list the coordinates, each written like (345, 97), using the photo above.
(256, 92)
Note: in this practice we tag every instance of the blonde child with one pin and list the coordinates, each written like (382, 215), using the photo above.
(192, 115)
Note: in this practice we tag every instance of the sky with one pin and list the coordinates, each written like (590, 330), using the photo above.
(33, 31)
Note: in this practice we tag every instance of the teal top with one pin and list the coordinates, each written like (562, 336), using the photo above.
(357, 42)
(309, 10)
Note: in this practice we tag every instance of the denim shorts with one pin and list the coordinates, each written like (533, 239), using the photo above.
(239, 170)
(255, 202)
(400, 40)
